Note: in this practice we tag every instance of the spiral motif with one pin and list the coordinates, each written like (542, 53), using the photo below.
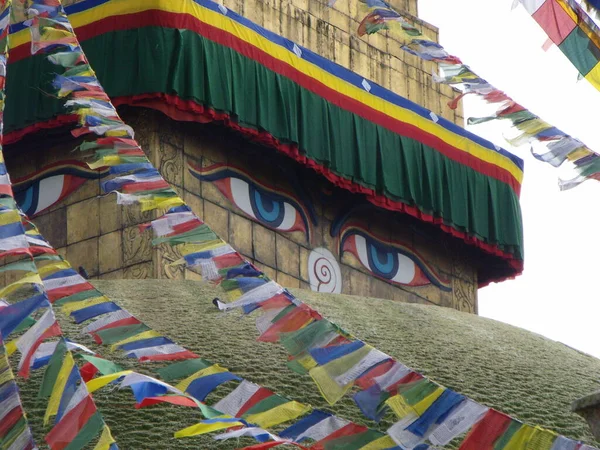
(324, 272)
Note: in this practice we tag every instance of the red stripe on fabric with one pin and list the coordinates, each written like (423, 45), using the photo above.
(173, 399)
(145, 186)
(52, 331)
(292, 321)
(410, 378)
(368, 379)
(172, 357)
(278, 301)
(62, 292)
(189, 22)
(6, 189)
(485, 433)
(65, 431)
(119, 323)
(88, 371)
(267, 445)
(258, 396)
(555, 21)
(56, 122)
(162, 102)
(181, 228)
(10, 420)
(229, 260)
(348, 430)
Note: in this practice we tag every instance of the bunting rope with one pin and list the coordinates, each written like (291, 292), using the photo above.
(549, 143)
(335, 359)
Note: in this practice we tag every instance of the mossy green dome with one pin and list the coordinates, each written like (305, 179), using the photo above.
(518, 372)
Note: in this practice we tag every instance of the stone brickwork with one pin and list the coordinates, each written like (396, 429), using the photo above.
(96, 233)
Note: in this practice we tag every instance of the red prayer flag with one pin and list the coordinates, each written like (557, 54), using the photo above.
(65, 431)
(487, 431)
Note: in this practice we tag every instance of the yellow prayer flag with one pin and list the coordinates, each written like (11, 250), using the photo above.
(106, 440)
(382, 443)
(54, 266)
(203, 428)
(100, 382)
(426, 403)
(68, 308)
(149, 204)
(11, 347)
(138, 337)
(280, 414)
(398, 404)
(30, 278)
(215, 368)
(59, 387)
(187, 249)
(11, 216)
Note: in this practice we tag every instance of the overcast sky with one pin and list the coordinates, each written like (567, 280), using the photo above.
(558, 294)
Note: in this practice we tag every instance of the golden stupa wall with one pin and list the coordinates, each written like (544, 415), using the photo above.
(92, 231)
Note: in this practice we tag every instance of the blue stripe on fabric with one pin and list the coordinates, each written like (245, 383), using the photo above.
(70, 388)
(14, 314)
(323, 355)
(61, 274)
(327, 65)
(93, 311)
(201, 387)
(357, 80)
(11, 229)
(152, 342)
(440, 407)
(292, 432)
(146, 389)
(8, 390)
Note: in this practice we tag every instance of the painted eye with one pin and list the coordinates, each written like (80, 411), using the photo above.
(393, 263)
(275, 209)
(268, 208)
(51, 185)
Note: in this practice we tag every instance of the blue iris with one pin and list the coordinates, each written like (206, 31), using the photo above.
(28, 199)
(382, 260)
(267, 208)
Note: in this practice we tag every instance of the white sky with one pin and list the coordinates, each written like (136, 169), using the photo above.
(558, 294)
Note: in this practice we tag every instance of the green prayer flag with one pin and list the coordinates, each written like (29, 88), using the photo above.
(104, 366)
(266, 404)
(90, 430)
(112, 335)
(53, 369)
(182, 369)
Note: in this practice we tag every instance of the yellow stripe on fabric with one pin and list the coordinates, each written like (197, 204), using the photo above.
(100, 382)
(11, 347)
(9, 217)
(106, 440)
(6, 376)
(138, 337)
(323, 376)
(402, 409)
(280, 414)
(215, 368)
(59, 387)
(186, 249)
(121, 7)
(593, 76)
(203, 428)
(31, 278)
(160, 203)
(426, 403)
(54, 267)
(68, 308)
(382, 443)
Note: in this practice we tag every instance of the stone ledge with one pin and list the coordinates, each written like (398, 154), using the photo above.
(588, 407)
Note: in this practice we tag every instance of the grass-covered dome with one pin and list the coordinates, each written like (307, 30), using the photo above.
(520, 373)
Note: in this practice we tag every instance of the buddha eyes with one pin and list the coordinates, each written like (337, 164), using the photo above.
(394, 263)
(277, 210)
(51, 185)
